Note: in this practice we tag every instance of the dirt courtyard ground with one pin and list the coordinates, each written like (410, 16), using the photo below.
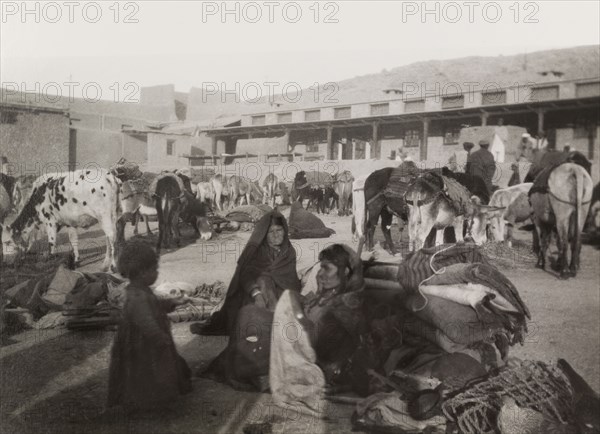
(55, 381)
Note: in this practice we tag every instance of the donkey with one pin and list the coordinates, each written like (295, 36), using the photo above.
(564, 206)
(430, 208)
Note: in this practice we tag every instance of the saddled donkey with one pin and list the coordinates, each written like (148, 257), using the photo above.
(384, 191)
(77, 199)
(270, 186)
(136, 202)
(430, 208)
(565, 206)
(343, 188)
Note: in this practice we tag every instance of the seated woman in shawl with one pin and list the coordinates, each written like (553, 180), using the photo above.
(333, 323)
(266, 267)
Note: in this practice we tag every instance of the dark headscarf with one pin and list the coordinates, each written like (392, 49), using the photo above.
(257, 260)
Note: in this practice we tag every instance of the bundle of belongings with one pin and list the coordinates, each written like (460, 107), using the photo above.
(126, 170)
(80, 300)
(248, 214)
(69, 298)
(304, 224)
(204, 299)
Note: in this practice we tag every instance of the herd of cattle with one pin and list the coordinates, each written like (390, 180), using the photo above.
(429, 201)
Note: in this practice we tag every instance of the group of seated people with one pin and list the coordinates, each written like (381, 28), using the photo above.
(267, 268)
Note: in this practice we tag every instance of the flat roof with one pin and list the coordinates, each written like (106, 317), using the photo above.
(412, 117)
(33, 107)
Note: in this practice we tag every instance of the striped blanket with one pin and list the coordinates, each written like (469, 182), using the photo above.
(417, 267)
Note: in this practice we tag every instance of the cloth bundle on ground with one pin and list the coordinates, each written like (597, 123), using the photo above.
(204, 299)
(83, 300)
(418, 265)
(304, 224)
(62, 290)
(387, 411)
(248, 213)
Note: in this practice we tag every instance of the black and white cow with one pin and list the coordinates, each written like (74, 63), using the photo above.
(77, 199)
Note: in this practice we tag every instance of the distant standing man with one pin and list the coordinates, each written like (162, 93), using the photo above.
(481, 163)
(3, 165)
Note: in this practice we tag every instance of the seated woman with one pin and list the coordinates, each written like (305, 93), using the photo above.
(335, 311)
(266, 267)
(331, 323)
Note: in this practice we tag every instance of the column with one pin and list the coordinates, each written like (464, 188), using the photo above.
(423, 150)
(540, 126)
(374, 140)
(340, 149)
(329, 155)
(354, 149)
(484, 118)
(214, 145)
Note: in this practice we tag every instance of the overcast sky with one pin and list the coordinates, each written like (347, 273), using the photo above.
(191, 43)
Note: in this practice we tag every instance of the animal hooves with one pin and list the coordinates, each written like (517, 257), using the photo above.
(564, 275)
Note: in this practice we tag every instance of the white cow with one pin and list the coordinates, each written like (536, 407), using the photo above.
(502, 208)
(74, 200)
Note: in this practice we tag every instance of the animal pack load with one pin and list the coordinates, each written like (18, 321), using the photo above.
(400, 178)
(540, 182)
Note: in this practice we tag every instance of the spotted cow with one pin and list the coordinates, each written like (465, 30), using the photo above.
(73, 200)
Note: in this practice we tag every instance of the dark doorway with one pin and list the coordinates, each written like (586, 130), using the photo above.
(72, 149)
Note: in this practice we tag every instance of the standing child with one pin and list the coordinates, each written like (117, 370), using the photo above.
(146, 372)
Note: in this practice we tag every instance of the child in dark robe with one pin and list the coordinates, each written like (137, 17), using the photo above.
(146, 372)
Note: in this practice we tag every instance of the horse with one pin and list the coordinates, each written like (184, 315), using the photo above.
(563, 206)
